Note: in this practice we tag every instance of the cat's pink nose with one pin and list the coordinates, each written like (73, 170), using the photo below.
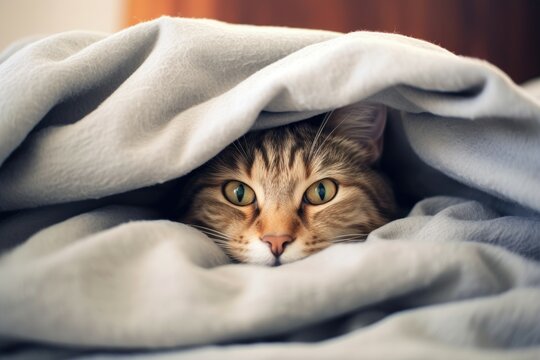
(277, 243)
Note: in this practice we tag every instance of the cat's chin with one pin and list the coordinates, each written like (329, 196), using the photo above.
(272, 263)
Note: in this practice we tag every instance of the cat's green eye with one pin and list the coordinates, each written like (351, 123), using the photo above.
(238, 193)
(320, 192)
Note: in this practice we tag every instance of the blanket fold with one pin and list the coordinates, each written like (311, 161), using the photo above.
(89, 263)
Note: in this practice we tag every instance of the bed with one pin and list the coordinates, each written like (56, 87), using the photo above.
(96, 128)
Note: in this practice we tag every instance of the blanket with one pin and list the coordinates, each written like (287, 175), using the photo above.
(95, 128)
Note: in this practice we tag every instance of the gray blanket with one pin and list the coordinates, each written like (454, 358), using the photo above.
(90, 267)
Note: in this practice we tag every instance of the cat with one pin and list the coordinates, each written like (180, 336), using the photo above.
(278, 195)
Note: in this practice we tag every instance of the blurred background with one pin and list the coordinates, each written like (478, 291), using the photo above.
(504, 32)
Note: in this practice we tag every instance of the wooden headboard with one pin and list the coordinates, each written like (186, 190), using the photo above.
(504, 32)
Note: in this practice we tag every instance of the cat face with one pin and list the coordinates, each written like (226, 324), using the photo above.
(279, 195)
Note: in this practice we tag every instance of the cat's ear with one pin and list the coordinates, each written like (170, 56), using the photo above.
(363, 123)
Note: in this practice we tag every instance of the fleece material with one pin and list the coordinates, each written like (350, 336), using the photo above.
(89, 266)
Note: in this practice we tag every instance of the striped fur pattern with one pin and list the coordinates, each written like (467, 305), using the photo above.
(279, 165)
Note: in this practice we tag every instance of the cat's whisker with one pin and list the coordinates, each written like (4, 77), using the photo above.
(221, 239)
(218, 241)
(214, 236)
(222, 243)
(319, 132)
(246, 147)
(347, 117)
(313, 250)
(225, 243)
(243, 147)
(349, 240)
(349, 237)
(200, 227)
(240, 149)
(354, 234)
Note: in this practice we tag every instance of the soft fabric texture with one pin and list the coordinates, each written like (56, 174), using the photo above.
(90, 266)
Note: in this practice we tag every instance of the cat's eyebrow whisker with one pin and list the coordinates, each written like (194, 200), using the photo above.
(246, 147)
(240, 149)
(318, 134)
(331, 132)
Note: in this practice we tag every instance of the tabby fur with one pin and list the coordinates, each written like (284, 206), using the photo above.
(279, 164)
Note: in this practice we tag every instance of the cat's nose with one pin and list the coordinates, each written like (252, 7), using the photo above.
(277, 243)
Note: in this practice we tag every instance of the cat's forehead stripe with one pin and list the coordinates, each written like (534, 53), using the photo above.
(264, 154)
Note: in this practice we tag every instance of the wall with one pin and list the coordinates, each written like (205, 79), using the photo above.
(504, 32)
(22, 18)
